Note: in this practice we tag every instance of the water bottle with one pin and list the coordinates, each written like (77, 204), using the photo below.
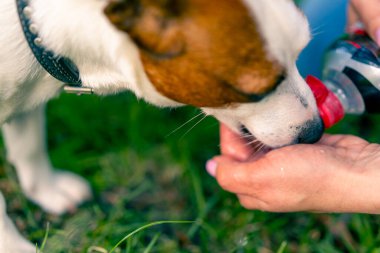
(350, 80)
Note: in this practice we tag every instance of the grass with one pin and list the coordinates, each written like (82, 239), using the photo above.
(140, 176)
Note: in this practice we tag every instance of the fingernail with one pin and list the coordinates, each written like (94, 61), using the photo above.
(211, 167)
(378, 36)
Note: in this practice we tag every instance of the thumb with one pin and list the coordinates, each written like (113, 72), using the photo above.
(232, 175)
(217, 162)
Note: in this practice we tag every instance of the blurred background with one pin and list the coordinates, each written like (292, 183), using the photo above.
(143, 170)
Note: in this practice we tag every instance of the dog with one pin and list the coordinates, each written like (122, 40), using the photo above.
(234, 59)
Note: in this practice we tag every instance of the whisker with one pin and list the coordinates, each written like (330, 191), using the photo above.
(258, 146)
(188, 131)
(257, 150)
(318, 30)
(261, 148)
(250, 157)
(246, 135)
(253, 142)
(246, 138)
(184, 124)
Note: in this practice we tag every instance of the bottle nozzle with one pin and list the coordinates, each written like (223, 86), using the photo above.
(330, 108)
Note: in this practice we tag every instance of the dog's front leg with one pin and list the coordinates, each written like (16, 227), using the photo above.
(55, 191)
(10, 239)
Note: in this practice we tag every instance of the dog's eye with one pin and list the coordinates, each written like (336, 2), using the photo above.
(258, 98)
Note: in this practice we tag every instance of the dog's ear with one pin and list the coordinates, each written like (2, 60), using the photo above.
(152, 24)
(123, 13)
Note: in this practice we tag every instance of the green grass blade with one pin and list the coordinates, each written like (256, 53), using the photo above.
(152, 243)
(146, 227)
(282, 247)
(129, 245)
(41, 249)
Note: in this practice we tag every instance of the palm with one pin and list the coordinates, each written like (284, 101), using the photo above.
(334, 174)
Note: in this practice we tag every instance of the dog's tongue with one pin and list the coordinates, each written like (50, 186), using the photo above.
(330, 108)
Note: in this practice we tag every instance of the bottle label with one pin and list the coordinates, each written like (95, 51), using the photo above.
(356, 57)
(370, 94)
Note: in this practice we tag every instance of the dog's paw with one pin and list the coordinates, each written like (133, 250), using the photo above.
(61, 192)
(19, 246)
(11, 241)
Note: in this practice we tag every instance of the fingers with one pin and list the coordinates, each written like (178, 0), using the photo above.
(369, 13)
(238, 177)
(330, 140)
(233, 145)
(257, 187)
(343, 141)
(282, 180)
(232, 175)
(250, 203)
(352, 18)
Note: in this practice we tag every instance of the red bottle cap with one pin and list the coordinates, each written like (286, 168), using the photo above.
(330, 108)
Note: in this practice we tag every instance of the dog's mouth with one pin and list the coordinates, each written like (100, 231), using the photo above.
(259, 149)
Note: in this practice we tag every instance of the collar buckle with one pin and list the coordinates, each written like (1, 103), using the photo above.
(78, 90)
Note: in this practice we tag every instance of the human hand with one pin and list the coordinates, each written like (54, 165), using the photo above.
(341, 173)
(368, 13)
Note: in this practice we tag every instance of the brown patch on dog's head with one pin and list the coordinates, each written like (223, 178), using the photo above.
(199, 52)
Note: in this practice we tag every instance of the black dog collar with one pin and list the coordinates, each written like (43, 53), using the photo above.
(61, 68)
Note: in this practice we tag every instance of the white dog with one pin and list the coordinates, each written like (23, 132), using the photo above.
(235, 59)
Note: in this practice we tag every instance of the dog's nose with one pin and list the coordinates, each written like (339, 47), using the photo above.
(311, 132)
